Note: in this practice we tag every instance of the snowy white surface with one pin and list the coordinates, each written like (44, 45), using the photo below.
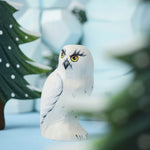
(22, 10)
(30, 20)
(33, 50)
(14, 4)
(112, 10)
(19, 106)
(56, 3)
(59, 28)
(101, 35)
(37, 104)
(111, 82)
(33, 3)
(22, 132)
(77, 4)
(35, 64)
(109, 74)
(29, 32)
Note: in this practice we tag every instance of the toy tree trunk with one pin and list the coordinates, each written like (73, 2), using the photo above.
(2, 120)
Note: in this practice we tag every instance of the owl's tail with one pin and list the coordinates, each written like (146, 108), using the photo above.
(64, 131)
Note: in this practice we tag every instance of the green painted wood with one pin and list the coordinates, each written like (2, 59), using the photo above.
(14, 65)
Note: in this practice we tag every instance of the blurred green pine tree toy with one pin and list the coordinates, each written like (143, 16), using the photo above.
(129, 112)
(80, 14)
(14, 65)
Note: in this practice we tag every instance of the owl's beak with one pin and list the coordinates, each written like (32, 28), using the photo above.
(66, 64)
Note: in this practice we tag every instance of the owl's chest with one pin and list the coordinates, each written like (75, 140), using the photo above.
(73, 90)
(76, 88)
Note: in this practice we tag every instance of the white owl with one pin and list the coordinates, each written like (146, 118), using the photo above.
(72, 80)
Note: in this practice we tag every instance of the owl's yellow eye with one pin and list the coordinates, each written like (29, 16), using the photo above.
(74, 58)
(62, 54)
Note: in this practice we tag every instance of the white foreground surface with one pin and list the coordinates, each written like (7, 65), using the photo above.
(22, 132)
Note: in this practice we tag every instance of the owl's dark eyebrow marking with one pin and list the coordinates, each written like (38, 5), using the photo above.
(79, 53)
(64, 51)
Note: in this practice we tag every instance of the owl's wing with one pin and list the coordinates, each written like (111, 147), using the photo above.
(52, 90)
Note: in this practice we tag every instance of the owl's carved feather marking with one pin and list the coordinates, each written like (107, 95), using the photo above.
(64, 51)
(79, 53)
(53, 97)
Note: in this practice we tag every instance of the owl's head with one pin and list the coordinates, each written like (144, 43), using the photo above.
(76, 60)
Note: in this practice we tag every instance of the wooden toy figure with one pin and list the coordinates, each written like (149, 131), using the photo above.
(72, 80)
(14, 65)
